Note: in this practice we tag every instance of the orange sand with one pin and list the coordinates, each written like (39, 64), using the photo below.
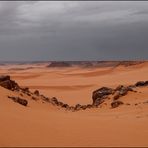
(41, 124)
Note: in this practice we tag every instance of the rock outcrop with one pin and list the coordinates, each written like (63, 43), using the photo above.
(100, 95)
(141, 83)
(19, 100)
(115, 104)
(121, 91)
(36, 92)
(7, 83)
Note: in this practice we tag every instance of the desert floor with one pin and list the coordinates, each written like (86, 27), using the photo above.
(41, 124)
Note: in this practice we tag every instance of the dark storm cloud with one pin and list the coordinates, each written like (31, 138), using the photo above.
(73, 30)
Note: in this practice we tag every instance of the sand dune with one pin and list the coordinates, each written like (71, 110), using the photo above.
(42, 124)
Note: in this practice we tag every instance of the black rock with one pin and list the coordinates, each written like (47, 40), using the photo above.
(65, 105)
(116, 96)
(99, 93)
(83, 107)
(36, 92)
(19, 100)
(77, 107)
(115, 104)
(141, 83)
(4, 78)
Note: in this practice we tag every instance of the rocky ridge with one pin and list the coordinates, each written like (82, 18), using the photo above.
(99, 96)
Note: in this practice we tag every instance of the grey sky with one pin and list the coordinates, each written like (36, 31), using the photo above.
(73, 30)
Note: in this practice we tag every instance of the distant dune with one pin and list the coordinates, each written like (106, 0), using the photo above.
(90, 64)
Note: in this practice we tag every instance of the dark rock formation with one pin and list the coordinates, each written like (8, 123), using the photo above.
(84, 107)
(115, 104)
(121, 91)
(100, 95)
(34, 98)
(77, 107)
(19, 100)
(54, 101)
(36, 92)
(89, 106)
(8, 84)
(65, 106)
(141, 83)
(116, 95)
(72, 108)
(25, 90)
(4, 78)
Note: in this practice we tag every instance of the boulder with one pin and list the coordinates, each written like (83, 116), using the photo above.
(100, 93)
(72, 108)
(25, 89)
(141, 83)
(89, 105)
(115, 104)
(77, 107)
(22, 101)
(65, 106)
(83, 107)
(122, 90)
(34, 98)
(36, 92)
(60, 104)
(19, 100)
(4, 78)
(99, 101)
(7, 83)
(116, 95)
(46, 99)
(54, 101)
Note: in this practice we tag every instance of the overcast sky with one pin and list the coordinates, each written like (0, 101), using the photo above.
(72, 30)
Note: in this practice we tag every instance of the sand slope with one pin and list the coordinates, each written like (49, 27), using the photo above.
(41, 124)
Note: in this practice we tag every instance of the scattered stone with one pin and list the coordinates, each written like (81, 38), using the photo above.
(25, 90)
(72, 108)
(65, 105)
(36, 92)
(28, 94)
(122, 90)
(83, 107)
(115, 104)
(89, 105)
(116, 96)
(100, 93)
(54, 101)
(9, 84)
(141, 83)
(77, 107)
(19, 100)
(60, 103)
(46, 99)
(34, 98)
(98, 101)
(4, 78)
